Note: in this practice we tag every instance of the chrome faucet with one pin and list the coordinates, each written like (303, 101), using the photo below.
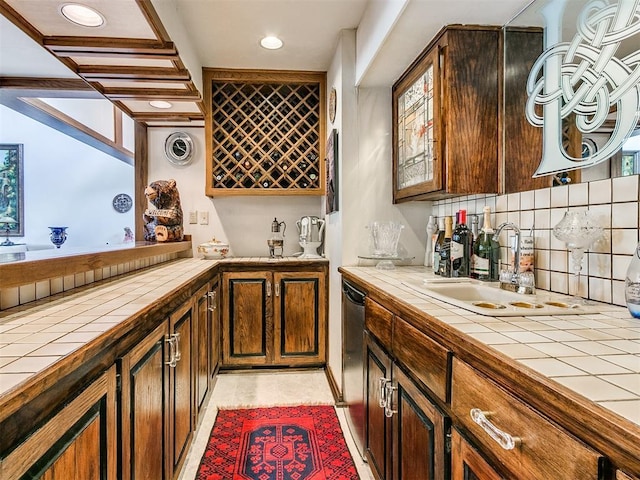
(515, 282)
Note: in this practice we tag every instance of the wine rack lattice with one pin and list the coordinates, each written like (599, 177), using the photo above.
(265, 137)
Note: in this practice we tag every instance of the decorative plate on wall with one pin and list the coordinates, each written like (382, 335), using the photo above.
(122, 203)
(332, 104)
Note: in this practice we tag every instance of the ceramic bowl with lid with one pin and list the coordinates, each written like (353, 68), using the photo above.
(213, 249)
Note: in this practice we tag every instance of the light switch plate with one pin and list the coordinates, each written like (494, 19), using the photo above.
(204, 218)
(193, 217)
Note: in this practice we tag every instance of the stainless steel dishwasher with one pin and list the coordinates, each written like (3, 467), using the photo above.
(353, 361)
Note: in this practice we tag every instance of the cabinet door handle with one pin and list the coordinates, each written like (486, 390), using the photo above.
(178, 352)
(268, 288)
(172, 350)
(506, 441)
(382, 399)
(389, 389)
(211, 297)
(277, 289)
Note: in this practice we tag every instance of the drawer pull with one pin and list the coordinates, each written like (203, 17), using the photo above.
(505, 440)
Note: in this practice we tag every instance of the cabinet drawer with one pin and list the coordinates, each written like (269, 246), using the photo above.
(378, 321)
(541, 449)
(427, 360)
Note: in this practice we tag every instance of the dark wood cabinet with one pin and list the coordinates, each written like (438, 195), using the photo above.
(181, 401)
(214, 329)
(145, 407)
(377, 368)
(158, 399)
(206, 341)
(522, 150)
(299, 318)
(79, 441)
(401, 420)
(247, 319)
(467, 463)
(445, 117)
(273, 318)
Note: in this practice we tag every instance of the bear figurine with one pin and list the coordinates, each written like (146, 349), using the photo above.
(163, 223)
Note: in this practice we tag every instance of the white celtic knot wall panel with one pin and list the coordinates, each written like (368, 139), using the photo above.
(594, 75)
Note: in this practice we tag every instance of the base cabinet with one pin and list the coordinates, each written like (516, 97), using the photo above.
(273, 318)
(401, 421)
(157, 408)
(206, 341)
(78, 442)
(467, 463)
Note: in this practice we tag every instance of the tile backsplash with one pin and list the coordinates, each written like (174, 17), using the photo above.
(614, 202)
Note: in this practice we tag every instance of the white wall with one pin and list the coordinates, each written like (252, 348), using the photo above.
(245, 222)
(373, 186)
(363, 121)
(340, 76)
(94, 113)
(67, 183)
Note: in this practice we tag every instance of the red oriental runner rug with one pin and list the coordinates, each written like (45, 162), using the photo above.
(281, 443)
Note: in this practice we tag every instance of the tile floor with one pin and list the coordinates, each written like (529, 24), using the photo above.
(264, 389)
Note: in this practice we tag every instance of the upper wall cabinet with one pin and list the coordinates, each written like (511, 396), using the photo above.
(445, 117)
(522, 140)
(265, 132)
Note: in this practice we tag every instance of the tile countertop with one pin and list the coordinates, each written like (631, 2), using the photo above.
(596, 355)
(35, 336)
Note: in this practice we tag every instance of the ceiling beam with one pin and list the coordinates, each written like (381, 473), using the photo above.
(97, 45)
(109, 72)
(151, 94)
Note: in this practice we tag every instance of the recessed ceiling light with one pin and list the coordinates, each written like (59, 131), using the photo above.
(160, 104)
(271, 43)
(82, 15)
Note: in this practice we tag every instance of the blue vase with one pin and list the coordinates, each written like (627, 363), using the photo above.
(58, 235)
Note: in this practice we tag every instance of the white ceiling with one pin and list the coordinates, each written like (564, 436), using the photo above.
(226, 33)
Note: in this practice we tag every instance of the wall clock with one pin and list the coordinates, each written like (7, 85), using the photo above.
(178, 148)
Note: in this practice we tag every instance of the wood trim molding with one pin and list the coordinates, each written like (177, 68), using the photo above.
(42, 86)
(23, 272)
(64, 46)
(141, 174)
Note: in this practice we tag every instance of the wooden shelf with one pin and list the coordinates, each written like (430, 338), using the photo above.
(265, 132)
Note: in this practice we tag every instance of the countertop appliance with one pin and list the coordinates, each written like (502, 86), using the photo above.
(311, 231)
(353, 361)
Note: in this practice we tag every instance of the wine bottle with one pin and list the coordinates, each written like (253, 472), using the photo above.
(445, 249)
(437, 245)
(461, 239)
(485, 252)
(632, 285)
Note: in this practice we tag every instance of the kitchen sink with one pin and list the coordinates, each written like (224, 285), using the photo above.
(488, 299)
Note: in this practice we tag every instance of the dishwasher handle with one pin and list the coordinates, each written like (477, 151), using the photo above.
(355, 295)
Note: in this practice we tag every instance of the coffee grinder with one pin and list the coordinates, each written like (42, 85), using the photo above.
(276, 241)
